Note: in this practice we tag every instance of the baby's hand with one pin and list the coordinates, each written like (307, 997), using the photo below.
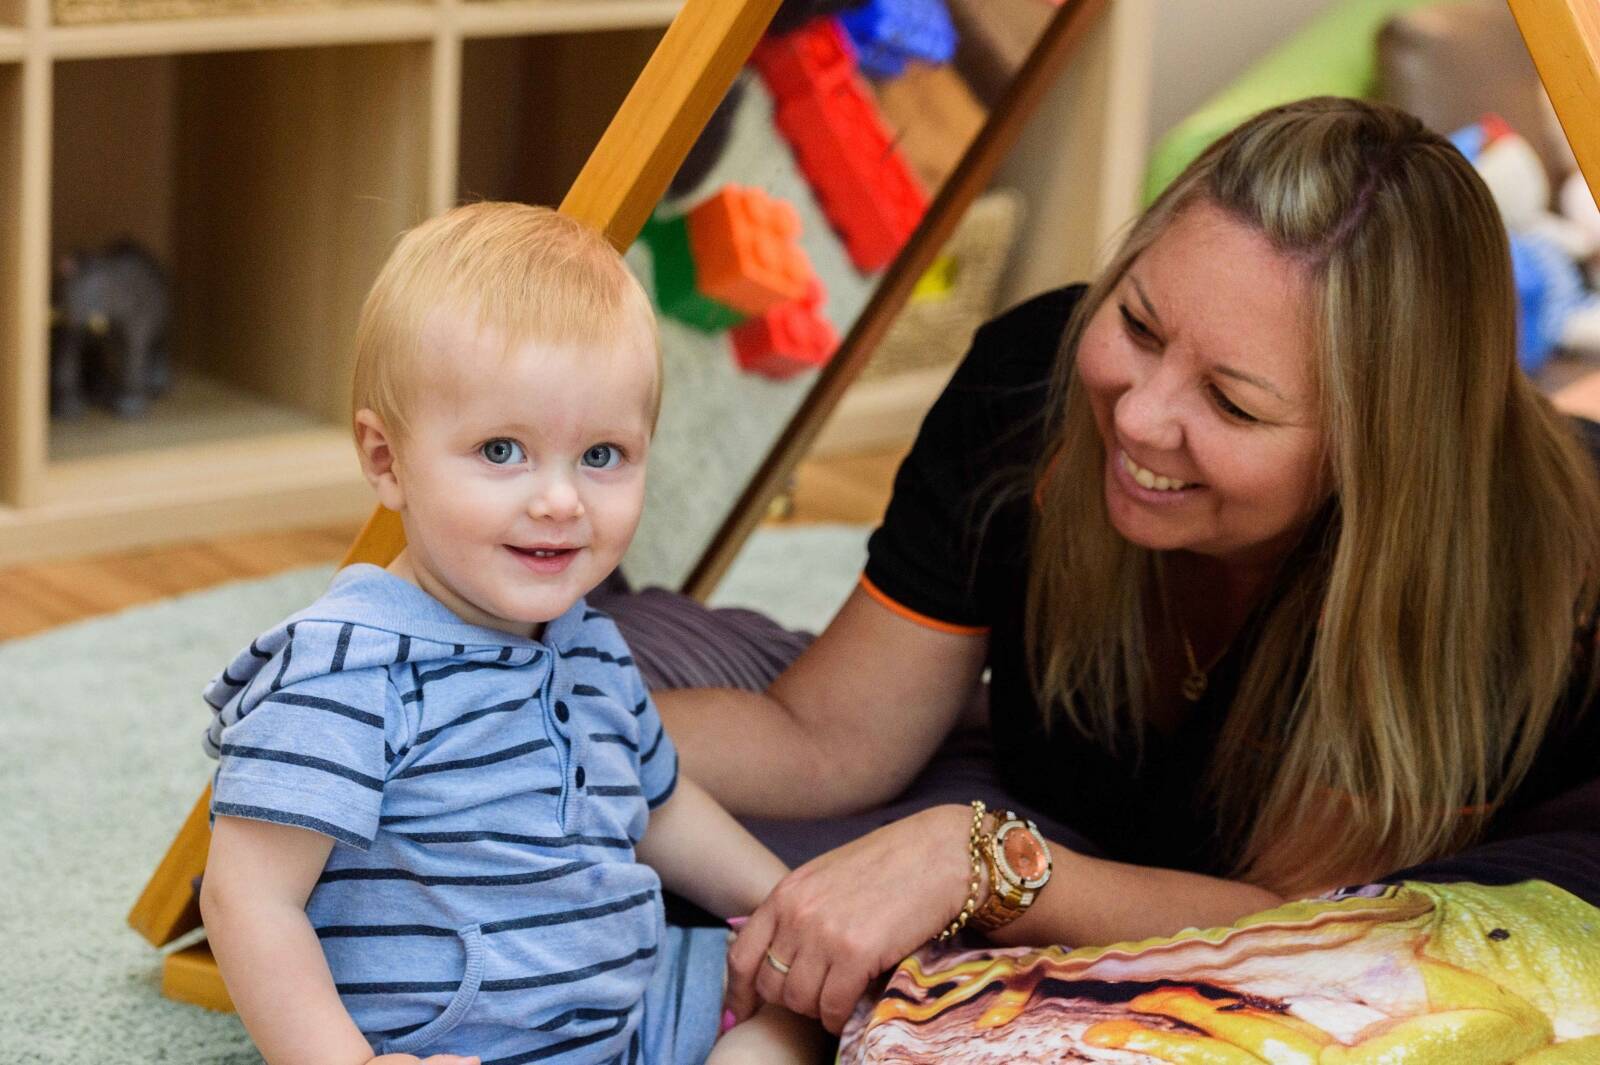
(437, 1059)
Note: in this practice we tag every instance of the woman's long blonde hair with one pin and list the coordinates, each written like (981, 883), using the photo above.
(1409, 663)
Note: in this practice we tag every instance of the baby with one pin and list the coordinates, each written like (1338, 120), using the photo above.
(445, 807)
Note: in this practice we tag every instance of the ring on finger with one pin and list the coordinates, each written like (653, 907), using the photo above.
(781, 966)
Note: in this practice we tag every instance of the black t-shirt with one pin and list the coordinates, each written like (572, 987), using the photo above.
(952, 553)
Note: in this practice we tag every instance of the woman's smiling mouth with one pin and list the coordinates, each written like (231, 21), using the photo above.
(1149, 478)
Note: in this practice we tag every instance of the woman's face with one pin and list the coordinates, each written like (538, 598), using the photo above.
(1198, 369)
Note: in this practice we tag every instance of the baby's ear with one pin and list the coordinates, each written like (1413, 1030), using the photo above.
(375, 445)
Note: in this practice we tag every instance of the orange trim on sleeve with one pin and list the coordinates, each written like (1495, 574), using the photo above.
(920, 619)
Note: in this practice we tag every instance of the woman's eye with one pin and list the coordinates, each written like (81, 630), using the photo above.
(503, 452)
(1136, 328)
(602, 457)
(1229, 407)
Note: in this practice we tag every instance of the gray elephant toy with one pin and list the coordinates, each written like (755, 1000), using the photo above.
(111, 314)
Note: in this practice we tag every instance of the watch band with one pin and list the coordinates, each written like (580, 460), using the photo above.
(1011, 891)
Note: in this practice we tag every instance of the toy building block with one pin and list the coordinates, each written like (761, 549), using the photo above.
(677, 292)
(808, 60)
(860, 179)
(936, 118)
(938, 280)
(746, 250)
(788, 339)
(887, 33)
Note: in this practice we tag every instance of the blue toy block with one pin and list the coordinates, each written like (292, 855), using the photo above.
(887, 33)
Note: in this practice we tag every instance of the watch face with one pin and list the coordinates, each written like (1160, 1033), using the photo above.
(1023, 854)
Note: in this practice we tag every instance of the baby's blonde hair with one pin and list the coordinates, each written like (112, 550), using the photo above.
(524, 273)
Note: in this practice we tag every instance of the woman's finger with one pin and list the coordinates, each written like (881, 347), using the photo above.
(841, 990)
(773, 972)
(807, 968)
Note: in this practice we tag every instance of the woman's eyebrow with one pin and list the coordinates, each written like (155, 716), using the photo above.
(1149, 308)
(1226, 371)
(1249, 379)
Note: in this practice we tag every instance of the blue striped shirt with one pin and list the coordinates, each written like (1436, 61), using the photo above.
(485, 793)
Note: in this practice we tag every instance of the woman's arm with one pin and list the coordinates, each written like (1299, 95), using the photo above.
(1093, 900)
(846, 727)
(842, 919)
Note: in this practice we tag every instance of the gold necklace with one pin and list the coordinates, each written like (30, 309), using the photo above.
(1195, 683)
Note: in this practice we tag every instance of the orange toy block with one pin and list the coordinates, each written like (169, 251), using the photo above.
(746, 250)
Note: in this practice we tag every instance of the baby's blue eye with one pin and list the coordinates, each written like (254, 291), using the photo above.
(503, 452)
(602, 457)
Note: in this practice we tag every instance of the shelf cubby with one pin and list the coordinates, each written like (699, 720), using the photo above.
(534, 106)
(271, 185)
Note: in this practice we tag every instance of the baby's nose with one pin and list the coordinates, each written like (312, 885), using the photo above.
(557, 499)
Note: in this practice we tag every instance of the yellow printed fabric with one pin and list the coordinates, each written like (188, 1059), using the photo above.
(1414, 974)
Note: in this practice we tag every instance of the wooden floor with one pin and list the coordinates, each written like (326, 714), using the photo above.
(38, 596)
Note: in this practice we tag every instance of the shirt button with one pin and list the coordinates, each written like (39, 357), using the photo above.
(578, 777)
(561, 711)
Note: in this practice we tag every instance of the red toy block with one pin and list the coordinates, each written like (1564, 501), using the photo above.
(860, 178)
(810, 59)
(789, 339)
(746, 250)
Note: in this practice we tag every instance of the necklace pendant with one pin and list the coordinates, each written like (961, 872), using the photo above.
(1194, 686)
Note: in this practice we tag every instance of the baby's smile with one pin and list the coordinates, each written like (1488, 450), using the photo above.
(545, 558)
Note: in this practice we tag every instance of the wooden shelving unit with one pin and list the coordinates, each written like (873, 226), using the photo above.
(270, 161)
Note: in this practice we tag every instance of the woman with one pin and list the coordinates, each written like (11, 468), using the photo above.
(1274, 558)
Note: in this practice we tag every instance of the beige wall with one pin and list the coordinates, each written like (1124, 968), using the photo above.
(1201, 45)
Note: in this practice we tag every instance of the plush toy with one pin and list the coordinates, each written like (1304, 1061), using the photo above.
(111, 312)
(1578, 207)
(1557, 309)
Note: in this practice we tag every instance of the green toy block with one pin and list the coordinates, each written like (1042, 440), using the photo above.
(677, 294)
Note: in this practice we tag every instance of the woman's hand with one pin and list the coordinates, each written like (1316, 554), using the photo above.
(851, 914)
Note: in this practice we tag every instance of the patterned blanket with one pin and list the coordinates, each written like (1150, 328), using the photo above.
(1415, 974)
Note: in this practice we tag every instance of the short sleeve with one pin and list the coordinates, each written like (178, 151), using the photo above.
(923, 562)
(312, 754)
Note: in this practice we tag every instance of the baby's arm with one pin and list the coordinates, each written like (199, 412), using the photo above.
(703, 854)
(253, 901)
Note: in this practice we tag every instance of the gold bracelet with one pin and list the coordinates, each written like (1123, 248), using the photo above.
(961, 919)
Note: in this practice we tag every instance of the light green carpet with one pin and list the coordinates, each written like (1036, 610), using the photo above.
(101, 722)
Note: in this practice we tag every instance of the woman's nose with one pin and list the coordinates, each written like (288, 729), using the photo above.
(556, 498)
(1148, 413)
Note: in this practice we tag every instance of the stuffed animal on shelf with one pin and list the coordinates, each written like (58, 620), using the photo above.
(111, 314)
(1557, 308)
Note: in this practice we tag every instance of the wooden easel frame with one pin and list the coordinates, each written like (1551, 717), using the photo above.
(1563, 37)
(624, 178)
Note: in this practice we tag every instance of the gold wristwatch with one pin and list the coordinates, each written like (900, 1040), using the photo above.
(1019, 866)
